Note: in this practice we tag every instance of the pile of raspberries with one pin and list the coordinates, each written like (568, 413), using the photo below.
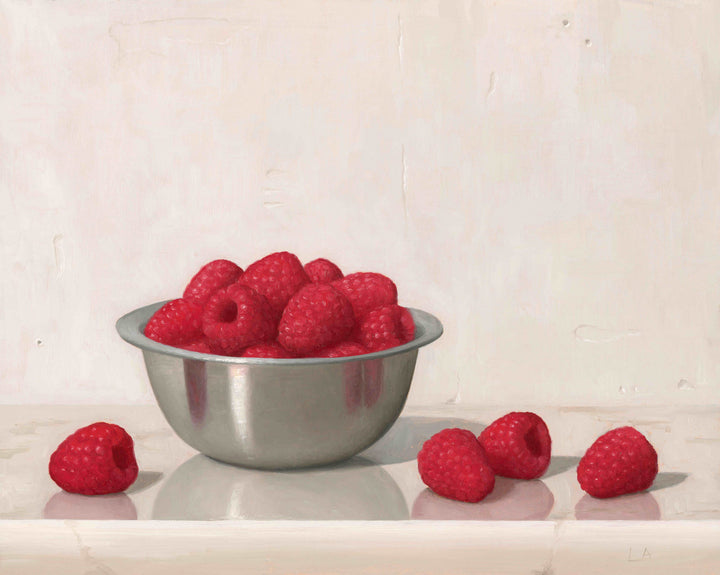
(280, 308)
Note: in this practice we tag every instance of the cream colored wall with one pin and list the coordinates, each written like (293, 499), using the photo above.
(543, 176)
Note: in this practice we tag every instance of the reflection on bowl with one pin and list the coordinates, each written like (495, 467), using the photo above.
(636, 506)
(510, 500)
(204, 489)
(279, 413)
(64, 505)
(363, 384)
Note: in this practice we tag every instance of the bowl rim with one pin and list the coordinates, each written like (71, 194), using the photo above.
(130, 328)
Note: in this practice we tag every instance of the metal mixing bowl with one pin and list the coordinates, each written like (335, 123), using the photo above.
(279, 413)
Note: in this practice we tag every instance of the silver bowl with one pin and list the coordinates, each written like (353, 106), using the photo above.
(279, 413)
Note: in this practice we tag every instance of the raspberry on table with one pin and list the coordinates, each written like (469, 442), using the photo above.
(95, 460)
(271, 349)
(386, 327)
(212, 276)
(342, 349)
(237, 317)
(322, 271)
(517, 445)
(453, 464)
(277, 277)
(317, 316)
(177, 322)
(620, 461)
(367, 291)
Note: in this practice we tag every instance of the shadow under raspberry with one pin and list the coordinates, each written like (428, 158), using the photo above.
(145, 480)
(667, 479)
(560, 464)
(406, 437)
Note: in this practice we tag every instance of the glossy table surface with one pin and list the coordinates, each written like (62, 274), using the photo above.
(372, 510)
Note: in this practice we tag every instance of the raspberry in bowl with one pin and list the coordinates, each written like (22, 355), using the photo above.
(278, 367)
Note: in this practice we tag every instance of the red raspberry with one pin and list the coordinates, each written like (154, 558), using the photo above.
(212, 276)
(268, 350)
(322, 271)
(517, 445)
(453, 464)
(200, 346)
(315, 317)
(367, 291)
(342, 349)
(95, 460)
(386, 327)
(175, 323)
(236, 317)
(620, 461)
(276, 276)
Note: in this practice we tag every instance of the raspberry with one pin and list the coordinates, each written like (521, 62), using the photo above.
(317, 316)
(268, 350)
(322, 271)
(453, 464)
(175, 323)
(517, 445)
(200, 346)
(236, 317)
(385, 327)
(367, 291)
(212, 276)
(342, 349)
(95, 460)
(620, 461)
(276, 276)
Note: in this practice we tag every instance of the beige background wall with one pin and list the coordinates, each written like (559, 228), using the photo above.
(543, 176)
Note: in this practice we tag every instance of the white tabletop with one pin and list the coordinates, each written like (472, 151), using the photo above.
(371, 511)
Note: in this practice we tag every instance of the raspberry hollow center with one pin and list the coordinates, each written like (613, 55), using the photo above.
(532, 440)
(121, 456)
(228, 312)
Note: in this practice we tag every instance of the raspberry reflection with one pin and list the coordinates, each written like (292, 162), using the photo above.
(64, 505)
(510, 500)
(634, 507)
